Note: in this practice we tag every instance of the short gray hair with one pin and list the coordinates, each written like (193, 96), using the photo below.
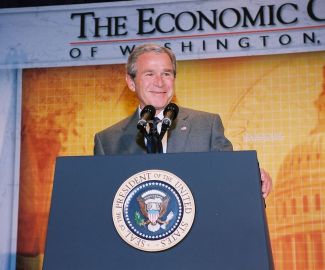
(131, 68)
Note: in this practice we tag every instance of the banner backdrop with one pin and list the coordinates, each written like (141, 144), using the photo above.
(73, 86)
(102, 33)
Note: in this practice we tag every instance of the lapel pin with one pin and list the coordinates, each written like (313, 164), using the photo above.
(183, 128)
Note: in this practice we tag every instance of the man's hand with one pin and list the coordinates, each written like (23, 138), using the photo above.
(266, 183)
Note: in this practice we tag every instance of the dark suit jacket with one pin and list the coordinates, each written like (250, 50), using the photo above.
(192, 131)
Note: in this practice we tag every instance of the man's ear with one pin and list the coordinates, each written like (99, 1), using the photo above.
(130, 82)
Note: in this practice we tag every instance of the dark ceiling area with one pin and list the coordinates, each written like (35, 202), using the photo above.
(38, 3)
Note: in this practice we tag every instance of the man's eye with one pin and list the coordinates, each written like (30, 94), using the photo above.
(149, 74)
(167, 74)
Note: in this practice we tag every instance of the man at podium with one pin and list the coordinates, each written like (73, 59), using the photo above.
(151, 74)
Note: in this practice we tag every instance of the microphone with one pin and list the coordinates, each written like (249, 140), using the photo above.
(147, 114)
(170, 114)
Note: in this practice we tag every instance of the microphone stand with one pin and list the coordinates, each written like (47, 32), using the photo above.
(154, 144)
(151, 143)
(157, 139)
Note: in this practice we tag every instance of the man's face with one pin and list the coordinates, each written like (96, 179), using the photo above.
(154, 80)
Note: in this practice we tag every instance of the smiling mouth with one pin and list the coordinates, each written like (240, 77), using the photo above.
(158, 92)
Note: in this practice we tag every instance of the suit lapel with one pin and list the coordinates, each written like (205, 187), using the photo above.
(132, 140)
(178, 133)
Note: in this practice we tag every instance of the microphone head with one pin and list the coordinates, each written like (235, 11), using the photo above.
(147, 114)
(150, 111)
(172, 111)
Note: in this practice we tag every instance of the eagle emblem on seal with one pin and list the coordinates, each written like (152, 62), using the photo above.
(153, 206)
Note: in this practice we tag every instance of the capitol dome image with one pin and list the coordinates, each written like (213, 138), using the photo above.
(299, 201)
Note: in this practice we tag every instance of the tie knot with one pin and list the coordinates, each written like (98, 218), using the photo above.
(156, 121)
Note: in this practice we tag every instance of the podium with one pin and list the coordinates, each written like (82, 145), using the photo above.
(229, 230)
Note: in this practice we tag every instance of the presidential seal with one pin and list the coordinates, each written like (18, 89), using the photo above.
(153, 210)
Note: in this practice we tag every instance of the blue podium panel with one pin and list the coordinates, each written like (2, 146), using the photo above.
(229, 230)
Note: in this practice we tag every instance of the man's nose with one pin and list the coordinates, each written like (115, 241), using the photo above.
(159, 80)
